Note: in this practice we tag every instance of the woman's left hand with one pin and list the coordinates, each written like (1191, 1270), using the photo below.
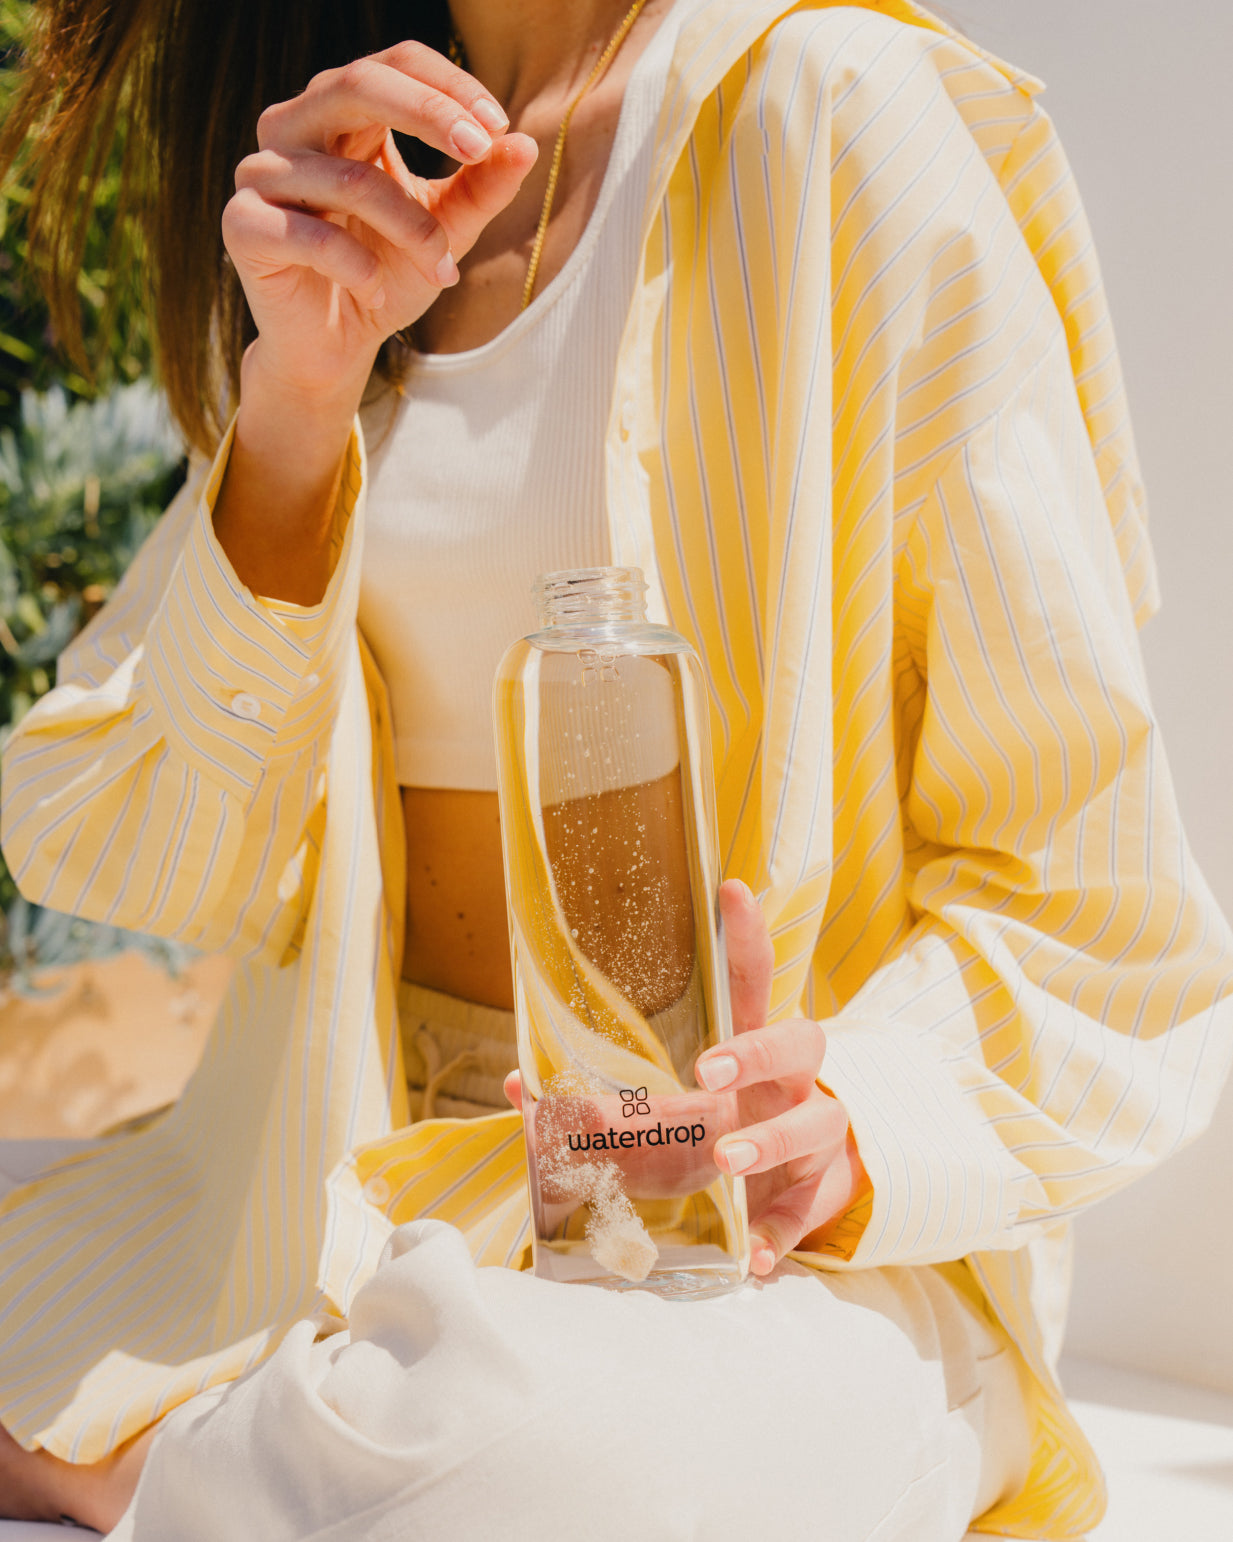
(795, 1148)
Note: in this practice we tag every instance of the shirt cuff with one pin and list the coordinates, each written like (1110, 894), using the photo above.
(235, 679)
(943, 1183)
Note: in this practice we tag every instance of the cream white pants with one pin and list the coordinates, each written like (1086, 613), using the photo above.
(465, 1404)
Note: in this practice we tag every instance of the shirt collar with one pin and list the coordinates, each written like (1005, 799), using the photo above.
(716, 33)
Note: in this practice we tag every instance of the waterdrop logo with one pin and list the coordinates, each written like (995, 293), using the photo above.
(634, 1101)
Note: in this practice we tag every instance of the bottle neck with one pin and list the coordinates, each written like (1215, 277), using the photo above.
(581, 596)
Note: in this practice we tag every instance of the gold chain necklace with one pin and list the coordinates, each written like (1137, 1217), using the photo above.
(558, 149)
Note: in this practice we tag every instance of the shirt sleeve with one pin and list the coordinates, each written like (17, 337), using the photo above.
(1060, 1016)
(175, 771)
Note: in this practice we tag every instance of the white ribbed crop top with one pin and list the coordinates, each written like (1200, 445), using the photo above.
(489, 470)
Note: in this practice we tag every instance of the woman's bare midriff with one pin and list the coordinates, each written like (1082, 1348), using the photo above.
(457, 934)
(632, 932)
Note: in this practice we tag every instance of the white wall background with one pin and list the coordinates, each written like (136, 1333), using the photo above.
(1140, 92)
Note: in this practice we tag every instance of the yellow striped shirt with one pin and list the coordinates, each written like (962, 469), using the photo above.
(869, 443)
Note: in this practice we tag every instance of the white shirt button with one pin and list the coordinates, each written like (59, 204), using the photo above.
(377, 1192)
(311, 682)
(629, 414)
(244, 705)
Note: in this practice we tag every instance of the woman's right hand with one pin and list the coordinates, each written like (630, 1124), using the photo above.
(337, 245)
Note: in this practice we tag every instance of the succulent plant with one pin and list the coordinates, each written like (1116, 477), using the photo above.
(81, 486)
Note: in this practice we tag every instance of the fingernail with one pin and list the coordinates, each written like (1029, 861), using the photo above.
(469, 141)
(717, 1072)
(763, 1261)
(738, 1155)
(491, 116)
(377, 301)
(446, 271)
(747, 893)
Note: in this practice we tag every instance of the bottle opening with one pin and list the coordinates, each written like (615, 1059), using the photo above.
(590, 594)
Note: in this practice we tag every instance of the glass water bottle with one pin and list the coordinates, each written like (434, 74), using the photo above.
(620, 980)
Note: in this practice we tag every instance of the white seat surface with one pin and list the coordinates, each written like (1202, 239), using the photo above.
(1167, 1449)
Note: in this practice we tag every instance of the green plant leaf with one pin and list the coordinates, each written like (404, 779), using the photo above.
(18, 348)
(82, 483)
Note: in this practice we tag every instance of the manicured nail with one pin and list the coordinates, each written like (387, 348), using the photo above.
(739, 1154)
(446, 271)
(717, 1072)
(470, 142)
(491, 116)
(763, 1261)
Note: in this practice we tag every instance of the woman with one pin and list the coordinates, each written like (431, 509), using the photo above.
(815, 315)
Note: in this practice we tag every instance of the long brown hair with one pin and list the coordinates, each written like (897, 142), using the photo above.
(188, 80)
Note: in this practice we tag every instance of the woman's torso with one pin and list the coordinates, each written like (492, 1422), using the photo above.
(487, 471)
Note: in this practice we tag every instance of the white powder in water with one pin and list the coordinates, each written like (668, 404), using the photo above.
(618, 1239)
(623, 1246)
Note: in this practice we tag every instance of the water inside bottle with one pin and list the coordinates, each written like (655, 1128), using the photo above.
(619, 975)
